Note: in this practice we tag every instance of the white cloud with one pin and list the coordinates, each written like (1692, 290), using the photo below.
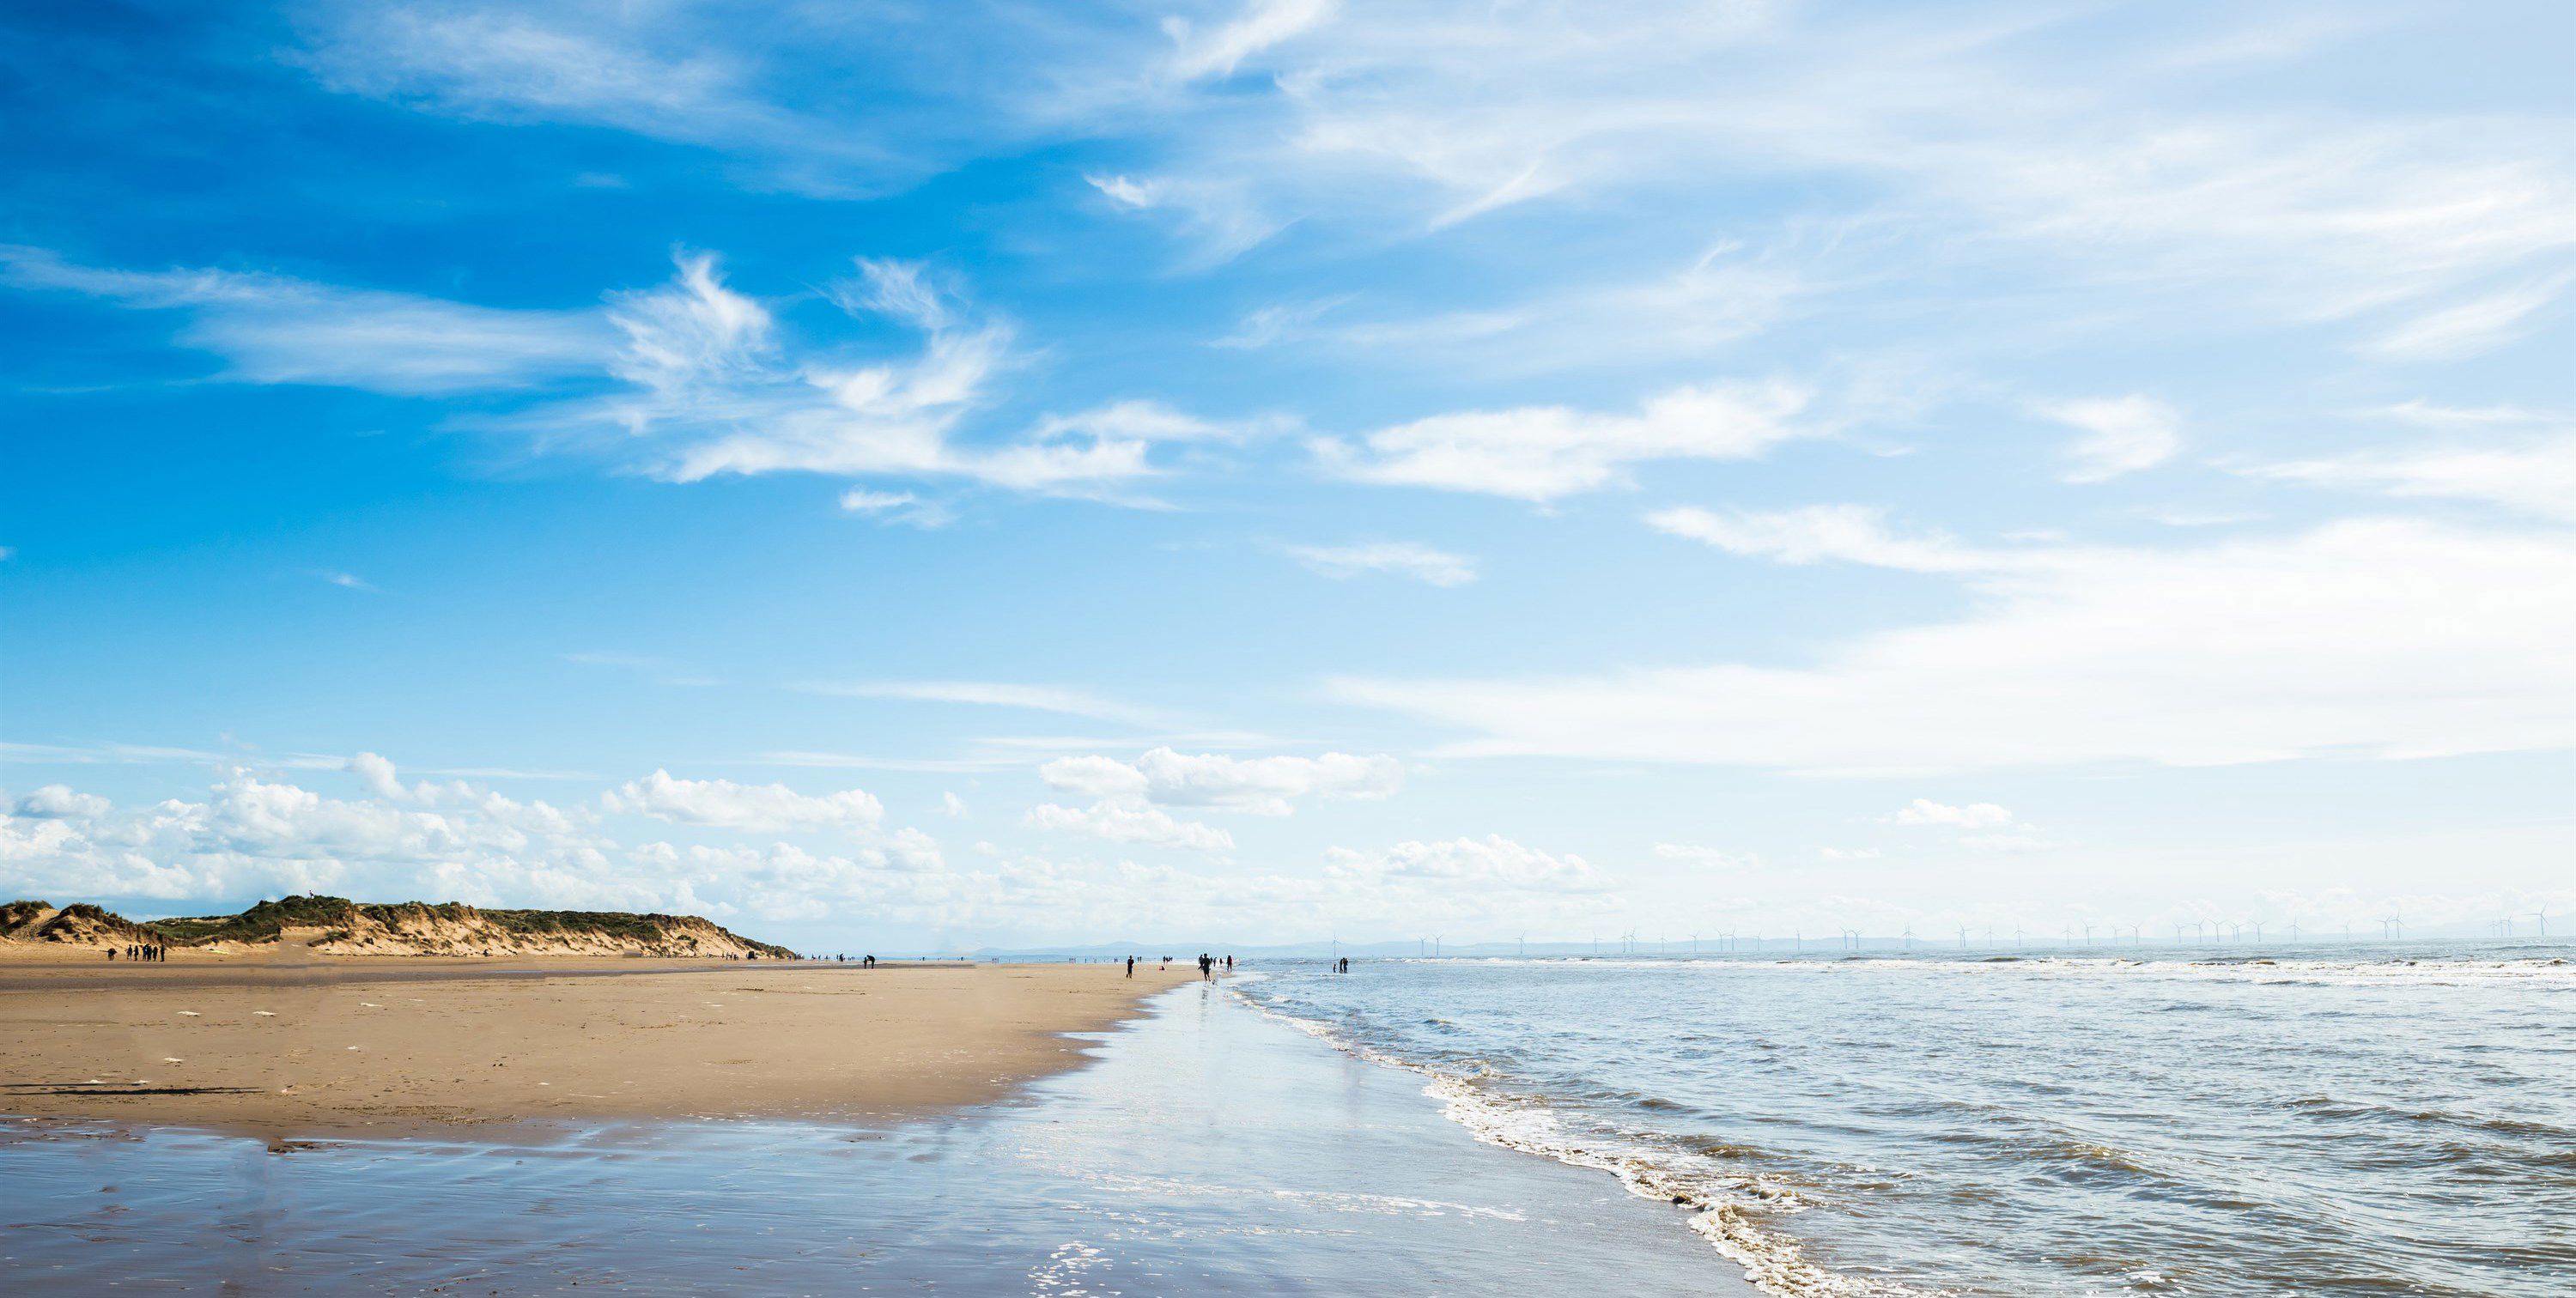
(1401, 558)
(757, 807)
(2370, 638)
(2119, 160)
(272, 329)
(2479, 325)
(951, 804)
(1266, 786)
(1492, 862)
(1848, 853)
(996, 694)
(1259, 26)
(1975, 815)
(1219, 219)
(2121, 435)
(708, 382)
(2534, 474)
(1816, 533)
(60, 802)
(347, 581)
(1127, 821)
(901, 507)
(1540, 453)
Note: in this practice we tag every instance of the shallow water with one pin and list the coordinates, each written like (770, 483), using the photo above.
(1209, 1150)
(2291, 1120)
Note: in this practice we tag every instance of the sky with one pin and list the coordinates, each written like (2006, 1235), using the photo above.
(920, 476)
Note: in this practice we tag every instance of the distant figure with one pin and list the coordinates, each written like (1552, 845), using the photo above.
(1207, 966)
(1229, 964)
(1131, 966)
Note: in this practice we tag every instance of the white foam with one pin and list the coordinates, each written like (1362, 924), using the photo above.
(1720, 1203)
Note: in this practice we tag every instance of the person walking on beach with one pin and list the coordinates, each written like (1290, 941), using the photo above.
(1131, 966)
(1207, 966)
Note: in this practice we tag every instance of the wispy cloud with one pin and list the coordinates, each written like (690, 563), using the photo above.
(1541, 453)
(1399, 558)
(996, 694)
(2382, 638)
(273, 329)
(2121, 435)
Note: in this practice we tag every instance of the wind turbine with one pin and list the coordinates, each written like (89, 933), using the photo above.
(1963, 937)
(2294, 932)
(2088, 935)
(2018, 944)
(1908, 935)
(2541, 916)
(2398, 923)
(2258, 932)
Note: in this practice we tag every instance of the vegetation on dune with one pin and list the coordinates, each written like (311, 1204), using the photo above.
(438, 923)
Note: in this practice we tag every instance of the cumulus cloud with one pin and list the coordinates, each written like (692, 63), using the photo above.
(2377, 638)
(2121, 435)
(1542, 453)
(1128, 821)
(1399, 558)
(1267, 786)
(756, 807)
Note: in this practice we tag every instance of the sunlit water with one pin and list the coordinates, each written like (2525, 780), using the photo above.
(1208, 1151)
(2278, 1120)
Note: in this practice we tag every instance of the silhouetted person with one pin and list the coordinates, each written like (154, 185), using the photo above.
(1131, 966)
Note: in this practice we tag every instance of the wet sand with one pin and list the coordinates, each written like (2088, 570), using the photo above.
(307, 1046)
(1207, 1150)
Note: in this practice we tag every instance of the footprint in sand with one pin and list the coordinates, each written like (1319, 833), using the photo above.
(190, 1014)
(168, 1060)
(369, 1005)
(266, 1014)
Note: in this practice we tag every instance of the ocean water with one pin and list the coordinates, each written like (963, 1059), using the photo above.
(2323, 1119)
(1207, 1150)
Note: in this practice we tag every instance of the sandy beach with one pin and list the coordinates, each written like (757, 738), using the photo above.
(300, 1046)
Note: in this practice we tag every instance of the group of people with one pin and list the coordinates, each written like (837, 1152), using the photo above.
(1342, 965)
(1208, 965)
(141, 951)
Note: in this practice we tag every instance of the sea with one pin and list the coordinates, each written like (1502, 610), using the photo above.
(2342, 1118)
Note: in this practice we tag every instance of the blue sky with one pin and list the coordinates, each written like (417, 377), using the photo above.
(925, 475)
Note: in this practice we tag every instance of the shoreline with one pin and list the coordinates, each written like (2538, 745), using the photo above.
(391, 1047)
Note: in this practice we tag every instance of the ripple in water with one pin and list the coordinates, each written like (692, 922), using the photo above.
(2317, 1120)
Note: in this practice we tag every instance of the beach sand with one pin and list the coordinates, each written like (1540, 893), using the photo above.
(297, 1045)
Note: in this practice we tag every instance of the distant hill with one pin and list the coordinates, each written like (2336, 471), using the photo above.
(340, 926)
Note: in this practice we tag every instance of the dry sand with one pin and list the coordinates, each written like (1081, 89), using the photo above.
(385, 1046)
